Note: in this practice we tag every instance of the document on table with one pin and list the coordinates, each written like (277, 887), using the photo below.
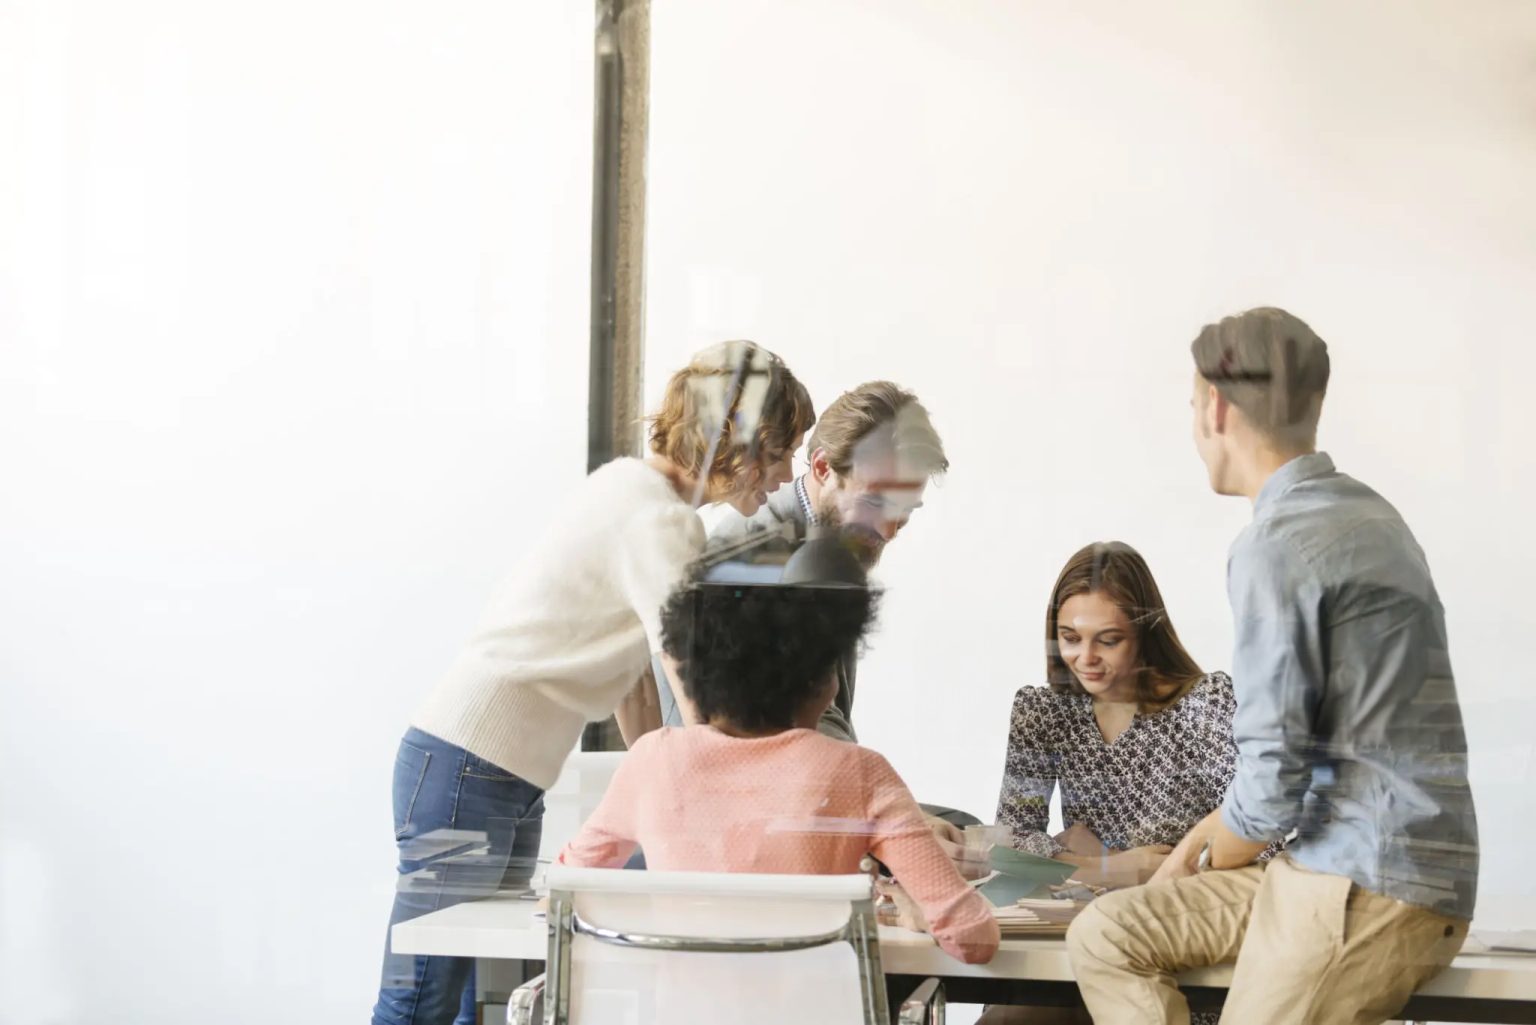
(1017, 875)
(1038, 917)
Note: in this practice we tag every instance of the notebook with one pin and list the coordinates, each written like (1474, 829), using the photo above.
(1017, 876)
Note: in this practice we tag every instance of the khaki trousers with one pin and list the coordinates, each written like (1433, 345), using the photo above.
(1311, 948)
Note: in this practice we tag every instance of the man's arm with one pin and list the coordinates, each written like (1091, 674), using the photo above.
(686, 713)
(1228, 850)
(640, 711)
(1279, 672)
(833, 723)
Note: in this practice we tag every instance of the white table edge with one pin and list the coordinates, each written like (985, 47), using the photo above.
(505, 928)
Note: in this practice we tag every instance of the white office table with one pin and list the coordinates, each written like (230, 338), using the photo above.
(1492, 988)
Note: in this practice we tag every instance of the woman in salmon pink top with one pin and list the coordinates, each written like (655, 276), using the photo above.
(753, 787)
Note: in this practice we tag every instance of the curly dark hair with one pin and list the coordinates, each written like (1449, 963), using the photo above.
(753, 655)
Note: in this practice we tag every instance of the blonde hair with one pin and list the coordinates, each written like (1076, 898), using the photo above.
(850, 425)
(732, 405)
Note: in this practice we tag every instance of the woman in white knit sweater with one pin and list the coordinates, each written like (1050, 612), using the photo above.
(567, 640)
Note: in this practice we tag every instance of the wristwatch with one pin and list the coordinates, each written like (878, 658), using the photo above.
(1203, 862)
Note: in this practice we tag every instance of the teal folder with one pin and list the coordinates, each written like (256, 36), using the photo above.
(1022, 875)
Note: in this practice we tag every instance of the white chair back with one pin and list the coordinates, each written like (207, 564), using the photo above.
(646, 948)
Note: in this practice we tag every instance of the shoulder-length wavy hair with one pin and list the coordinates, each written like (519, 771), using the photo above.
(1165, 671)
(735, 405)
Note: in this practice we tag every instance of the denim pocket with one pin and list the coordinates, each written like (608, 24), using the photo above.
(479, 768)
(410, 773)
(496, 800)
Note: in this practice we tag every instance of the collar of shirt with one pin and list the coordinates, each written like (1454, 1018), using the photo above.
(811, 519)
(1314, 464)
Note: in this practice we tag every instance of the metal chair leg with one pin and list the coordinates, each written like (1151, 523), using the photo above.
(527, 1003)
(926, 1005)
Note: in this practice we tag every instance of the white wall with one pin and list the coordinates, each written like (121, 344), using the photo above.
(1026, 210)
(293, 346)
(292, 353)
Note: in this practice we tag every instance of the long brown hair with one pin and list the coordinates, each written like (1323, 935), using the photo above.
(1117, 571)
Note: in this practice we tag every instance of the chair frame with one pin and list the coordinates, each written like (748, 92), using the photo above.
(553, 989)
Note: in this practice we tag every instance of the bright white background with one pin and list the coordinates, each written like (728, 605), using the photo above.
(293, 353)
(1026, 210)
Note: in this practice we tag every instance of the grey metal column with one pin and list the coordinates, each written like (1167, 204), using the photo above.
(621, 107)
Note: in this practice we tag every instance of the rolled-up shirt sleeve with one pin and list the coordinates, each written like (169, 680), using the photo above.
(1279, 670)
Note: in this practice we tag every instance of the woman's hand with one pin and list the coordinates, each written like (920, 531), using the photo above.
(1138, 864)
(1079, 839)
(951, 839)
(908, 914)
(1126, 868)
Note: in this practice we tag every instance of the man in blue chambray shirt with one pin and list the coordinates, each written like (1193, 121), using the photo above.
(1349, 736)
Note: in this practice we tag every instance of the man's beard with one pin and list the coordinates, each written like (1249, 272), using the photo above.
(865, 543)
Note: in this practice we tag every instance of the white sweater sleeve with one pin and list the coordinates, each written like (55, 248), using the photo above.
(653, 551)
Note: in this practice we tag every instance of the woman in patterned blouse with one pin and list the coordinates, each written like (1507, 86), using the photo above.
(1136, 736)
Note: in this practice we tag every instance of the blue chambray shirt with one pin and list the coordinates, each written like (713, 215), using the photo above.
(1347, 726)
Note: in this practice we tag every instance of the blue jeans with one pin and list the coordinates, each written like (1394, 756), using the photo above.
(439, 786)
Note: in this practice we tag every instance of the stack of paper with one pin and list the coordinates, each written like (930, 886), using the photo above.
(1044, 917)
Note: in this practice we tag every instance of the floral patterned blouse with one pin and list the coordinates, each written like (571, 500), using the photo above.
(1166, 772)
(1150, 785)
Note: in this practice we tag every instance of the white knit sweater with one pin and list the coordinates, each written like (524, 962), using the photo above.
(569, 633)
